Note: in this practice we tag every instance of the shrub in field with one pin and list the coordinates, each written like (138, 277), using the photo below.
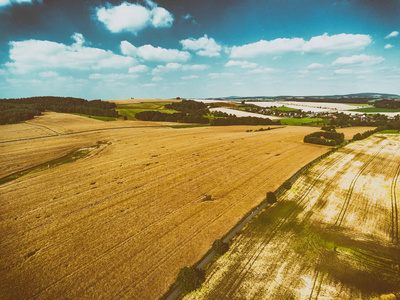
(287, 185)
(271, 198)
(220, 247)
(190, 278)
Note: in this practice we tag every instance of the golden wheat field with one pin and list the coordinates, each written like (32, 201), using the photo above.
(122, 221)
(333, 235)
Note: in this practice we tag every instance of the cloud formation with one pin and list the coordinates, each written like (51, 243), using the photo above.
(133, 17)
(176, 66)
(392, 34)
(315, 66)
(243, 64)
(388, 46)
(204, 46)
(318, 44)
(9, 2)
(150, 53)
(32, 55)
(359, 60)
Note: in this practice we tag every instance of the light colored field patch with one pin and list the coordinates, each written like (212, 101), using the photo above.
(240, 113)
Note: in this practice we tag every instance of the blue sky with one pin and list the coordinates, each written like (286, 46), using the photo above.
(186, 48)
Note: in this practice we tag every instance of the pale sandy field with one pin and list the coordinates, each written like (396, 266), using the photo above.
(333, 235)
(121, 222)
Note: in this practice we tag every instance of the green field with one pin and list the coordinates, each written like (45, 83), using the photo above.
(295, 121)
(96, 117)
(131, 109)
(359, 104)
(284, 108)
(376, 110)
(389, 131)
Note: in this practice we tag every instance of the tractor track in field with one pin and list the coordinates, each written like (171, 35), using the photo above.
(350, 190)
(394, 214)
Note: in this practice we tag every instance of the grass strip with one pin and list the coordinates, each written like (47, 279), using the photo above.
(70, 157)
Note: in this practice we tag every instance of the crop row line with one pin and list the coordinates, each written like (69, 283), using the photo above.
(346, 203)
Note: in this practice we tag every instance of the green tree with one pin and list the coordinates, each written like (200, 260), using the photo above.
(287, 185)
(271, 198)
(220, 247)
(190, 278)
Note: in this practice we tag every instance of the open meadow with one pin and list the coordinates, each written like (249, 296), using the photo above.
(123, 220)
(333, 235)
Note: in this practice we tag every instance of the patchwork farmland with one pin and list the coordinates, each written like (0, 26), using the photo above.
(333, 235)
(123, 220)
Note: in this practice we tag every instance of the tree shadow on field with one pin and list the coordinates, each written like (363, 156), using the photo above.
(358, 261)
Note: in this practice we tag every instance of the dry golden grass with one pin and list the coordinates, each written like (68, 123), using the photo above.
(333, 235)
(123, 221)
(69, 123)
(23, 131)
(349, 132)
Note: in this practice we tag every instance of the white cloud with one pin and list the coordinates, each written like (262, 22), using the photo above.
(30, 55)
(150, 53)
(388, 46)
(9, 2)
(138, 69)
(261, 71)
(349, 71)
(339, 42)
(323, 43)
(48, 74)
(243, 64)
(133, 17)
(392, 34)
(189, 77)
(359, 60)
(315, 66)
(149, 85)
(176, 66)
(220, 75)
(204, 46)
(194, 67)
(343, 71)
(111, 77)
(157, 78)
(325, 78)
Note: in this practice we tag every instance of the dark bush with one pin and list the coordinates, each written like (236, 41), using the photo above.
(220, 247)
(287, 185)
(271, 198)
(190, 278)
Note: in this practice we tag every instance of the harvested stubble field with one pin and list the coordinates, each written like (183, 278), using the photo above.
(349, 132)
(122, 221)
(333, 235)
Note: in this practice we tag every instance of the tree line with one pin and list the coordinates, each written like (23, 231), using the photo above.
(15, 110)
(180, 117)
(327, 138)
(387, 104)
